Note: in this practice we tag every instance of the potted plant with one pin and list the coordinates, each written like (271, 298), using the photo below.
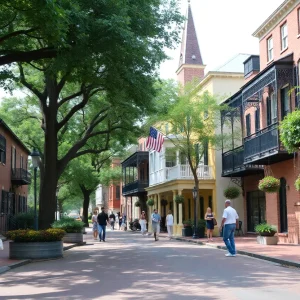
(266, 234)
(179, 199)
(31, 244)
(73, 229)
(201, 228)
(137, 203)
(290, 131)
(187, 227)
(150, 202)
(232, 192)
(269, 184)
(297, 184)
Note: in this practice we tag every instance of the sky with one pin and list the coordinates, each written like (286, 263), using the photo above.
(224, 29)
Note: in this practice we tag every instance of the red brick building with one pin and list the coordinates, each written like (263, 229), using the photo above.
(14, 176)
(265, 99)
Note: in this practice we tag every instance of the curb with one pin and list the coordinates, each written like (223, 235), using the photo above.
(27, 261)
(282, 262)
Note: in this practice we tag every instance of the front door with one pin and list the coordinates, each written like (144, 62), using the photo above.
(283, 206)
(256, 209)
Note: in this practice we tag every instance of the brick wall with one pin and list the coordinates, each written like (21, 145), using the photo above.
(187, 74)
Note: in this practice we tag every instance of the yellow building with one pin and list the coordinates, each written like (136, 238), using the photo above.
(169, 171)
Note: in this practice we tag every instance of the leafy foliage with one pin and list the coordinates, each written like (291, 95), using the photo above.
(26, 236)
(232, 192)
(188, 223)
(290, 131)
(24, 220)
(297, 184)
(69, 225)
(137, 204)
(150, 202)
(179, 199)
(269, 184)
(265, 229)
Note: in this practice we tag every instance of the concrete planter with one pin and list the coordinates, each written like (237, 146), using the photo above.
(73, 238)
(267, 240)
(35, 250)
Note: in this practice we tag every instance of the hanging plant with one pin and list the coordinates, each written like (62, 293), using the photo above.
(164, 202)
(232, 192)
(137, 204)
(269, 184)
(290, 131)
(150, 202)
(297, 184)
(179, 199)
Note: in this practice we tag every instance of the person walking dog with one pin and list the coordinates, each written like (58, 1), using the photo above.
(229, 222)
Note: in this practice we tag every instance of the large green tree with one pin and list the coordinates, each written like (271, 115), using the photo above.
(89, 64)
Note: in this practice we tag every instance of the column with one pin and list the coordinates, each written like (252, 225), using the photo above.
(180, 209)
(174, 212)
(159, 204)
(149, 215)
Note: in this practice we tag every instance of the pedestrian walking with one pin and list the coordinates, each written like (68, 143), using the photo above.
(155, 217)
(120, 221)
(112, 220)
(143, 223)
(95, 224)
(170, 222)
(102, 220)
(229, 223)
(210, 226)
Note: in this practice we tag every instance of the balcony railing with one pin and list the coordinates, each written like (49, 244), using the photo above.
(135, 187)
(20, 176)
(180, 172)
(262, 143)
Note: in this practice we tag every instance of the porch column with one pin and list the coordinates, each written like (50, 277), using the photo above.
(159, 204)
(174, 212)
(180, 209)
(149, 208)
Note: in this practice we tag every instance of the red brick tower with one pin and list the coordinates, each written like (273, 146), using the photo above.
(190, 62)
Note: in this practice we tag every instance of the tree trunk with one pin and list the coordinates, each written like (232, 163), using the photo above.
(86, 202)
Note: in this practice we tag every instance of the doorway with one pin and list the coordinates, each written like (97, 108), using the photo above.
(283, 206)
(256, 209)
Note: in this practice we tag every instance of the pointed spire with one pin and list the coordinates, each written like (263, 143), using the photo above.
(190, 50)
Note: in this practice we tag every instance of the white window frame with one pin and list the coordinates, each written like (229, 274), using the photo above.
(270, 48)
(284, 36)
(274, 108)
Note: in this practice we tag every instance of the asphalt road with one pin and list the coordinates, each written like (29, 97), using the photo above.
(129, 266)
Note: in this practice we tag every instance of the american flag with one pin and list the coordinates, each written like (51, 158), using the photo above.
(155, 140)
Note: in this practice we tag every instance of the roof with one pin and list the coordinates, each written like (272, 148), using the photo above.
(190, 50)
(235, 64)
(14, 135)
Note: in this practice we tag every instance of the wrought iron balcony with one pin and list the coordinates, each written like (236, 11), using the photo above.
(264, 147)
(134, 188)
(233, 164)
(20, 177)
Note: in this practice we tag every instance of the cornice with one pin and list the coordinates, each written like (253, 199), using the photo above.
(276, 17)
(190, 66)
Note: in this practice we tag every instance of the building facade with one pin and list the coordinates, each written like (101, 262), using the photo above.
(264, 100)
(14, 176)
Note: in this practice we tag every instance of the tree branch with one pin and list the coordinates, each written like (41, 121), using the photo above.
(16, 33)
(66, 99)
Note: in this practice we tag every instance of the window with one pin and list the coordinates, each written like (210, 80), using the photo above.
(270, 48)
(2, 149)
(205, 154)
(170, 156)
(257, 120)
(273, 108)
(285, 102)
(298, 20)
(248, 124)
(13, 158)
(284, 36)
(118, 192)
(183, 159)
(21, 162)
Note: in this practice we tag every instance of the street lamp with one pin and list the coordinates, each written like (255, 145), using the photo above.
(35, 156)
(195, 196)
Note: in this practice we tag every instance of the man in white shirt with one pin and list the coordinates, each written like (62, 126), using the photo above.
(229, 223)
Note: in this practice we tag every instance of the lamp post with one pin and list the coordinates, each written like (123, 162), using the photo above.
(56, 211)
(195, 196)
(35, 156)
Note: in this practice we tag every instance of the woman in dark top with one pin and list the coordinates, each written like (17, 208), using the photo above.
(209, 217)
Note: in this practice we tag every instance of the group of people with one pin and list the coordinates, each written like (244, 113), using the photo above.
(230, 221)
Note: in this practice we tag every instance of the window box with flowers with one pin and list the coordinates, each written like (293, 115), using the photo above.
(31, 244)
(269, 184)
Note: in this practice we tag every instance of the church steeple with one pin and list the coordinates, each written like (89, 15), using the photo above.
(190, 61)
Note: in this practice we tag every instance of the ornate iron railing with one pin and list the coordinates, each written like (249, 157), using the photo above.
(20, 175)
(135, 187)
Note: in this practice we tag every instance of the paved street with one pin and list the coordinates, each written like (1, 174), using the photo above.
(129, 266)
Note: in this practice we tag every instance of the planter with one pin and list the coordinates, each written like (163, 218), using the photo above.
(272, 233)
(73, 238)
(201, 232)
(187, 231)
(267, 240)
(35, 250)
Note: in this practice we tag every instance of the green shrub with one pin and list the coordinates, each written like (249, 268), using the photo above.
(179, 199)
(69, 225)
(232, 192)
(24, 220)
(297, 184)
(150, 202)
(188, 222)
(290, 131)
(25, 236)
(269, 184)
(265, 229)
